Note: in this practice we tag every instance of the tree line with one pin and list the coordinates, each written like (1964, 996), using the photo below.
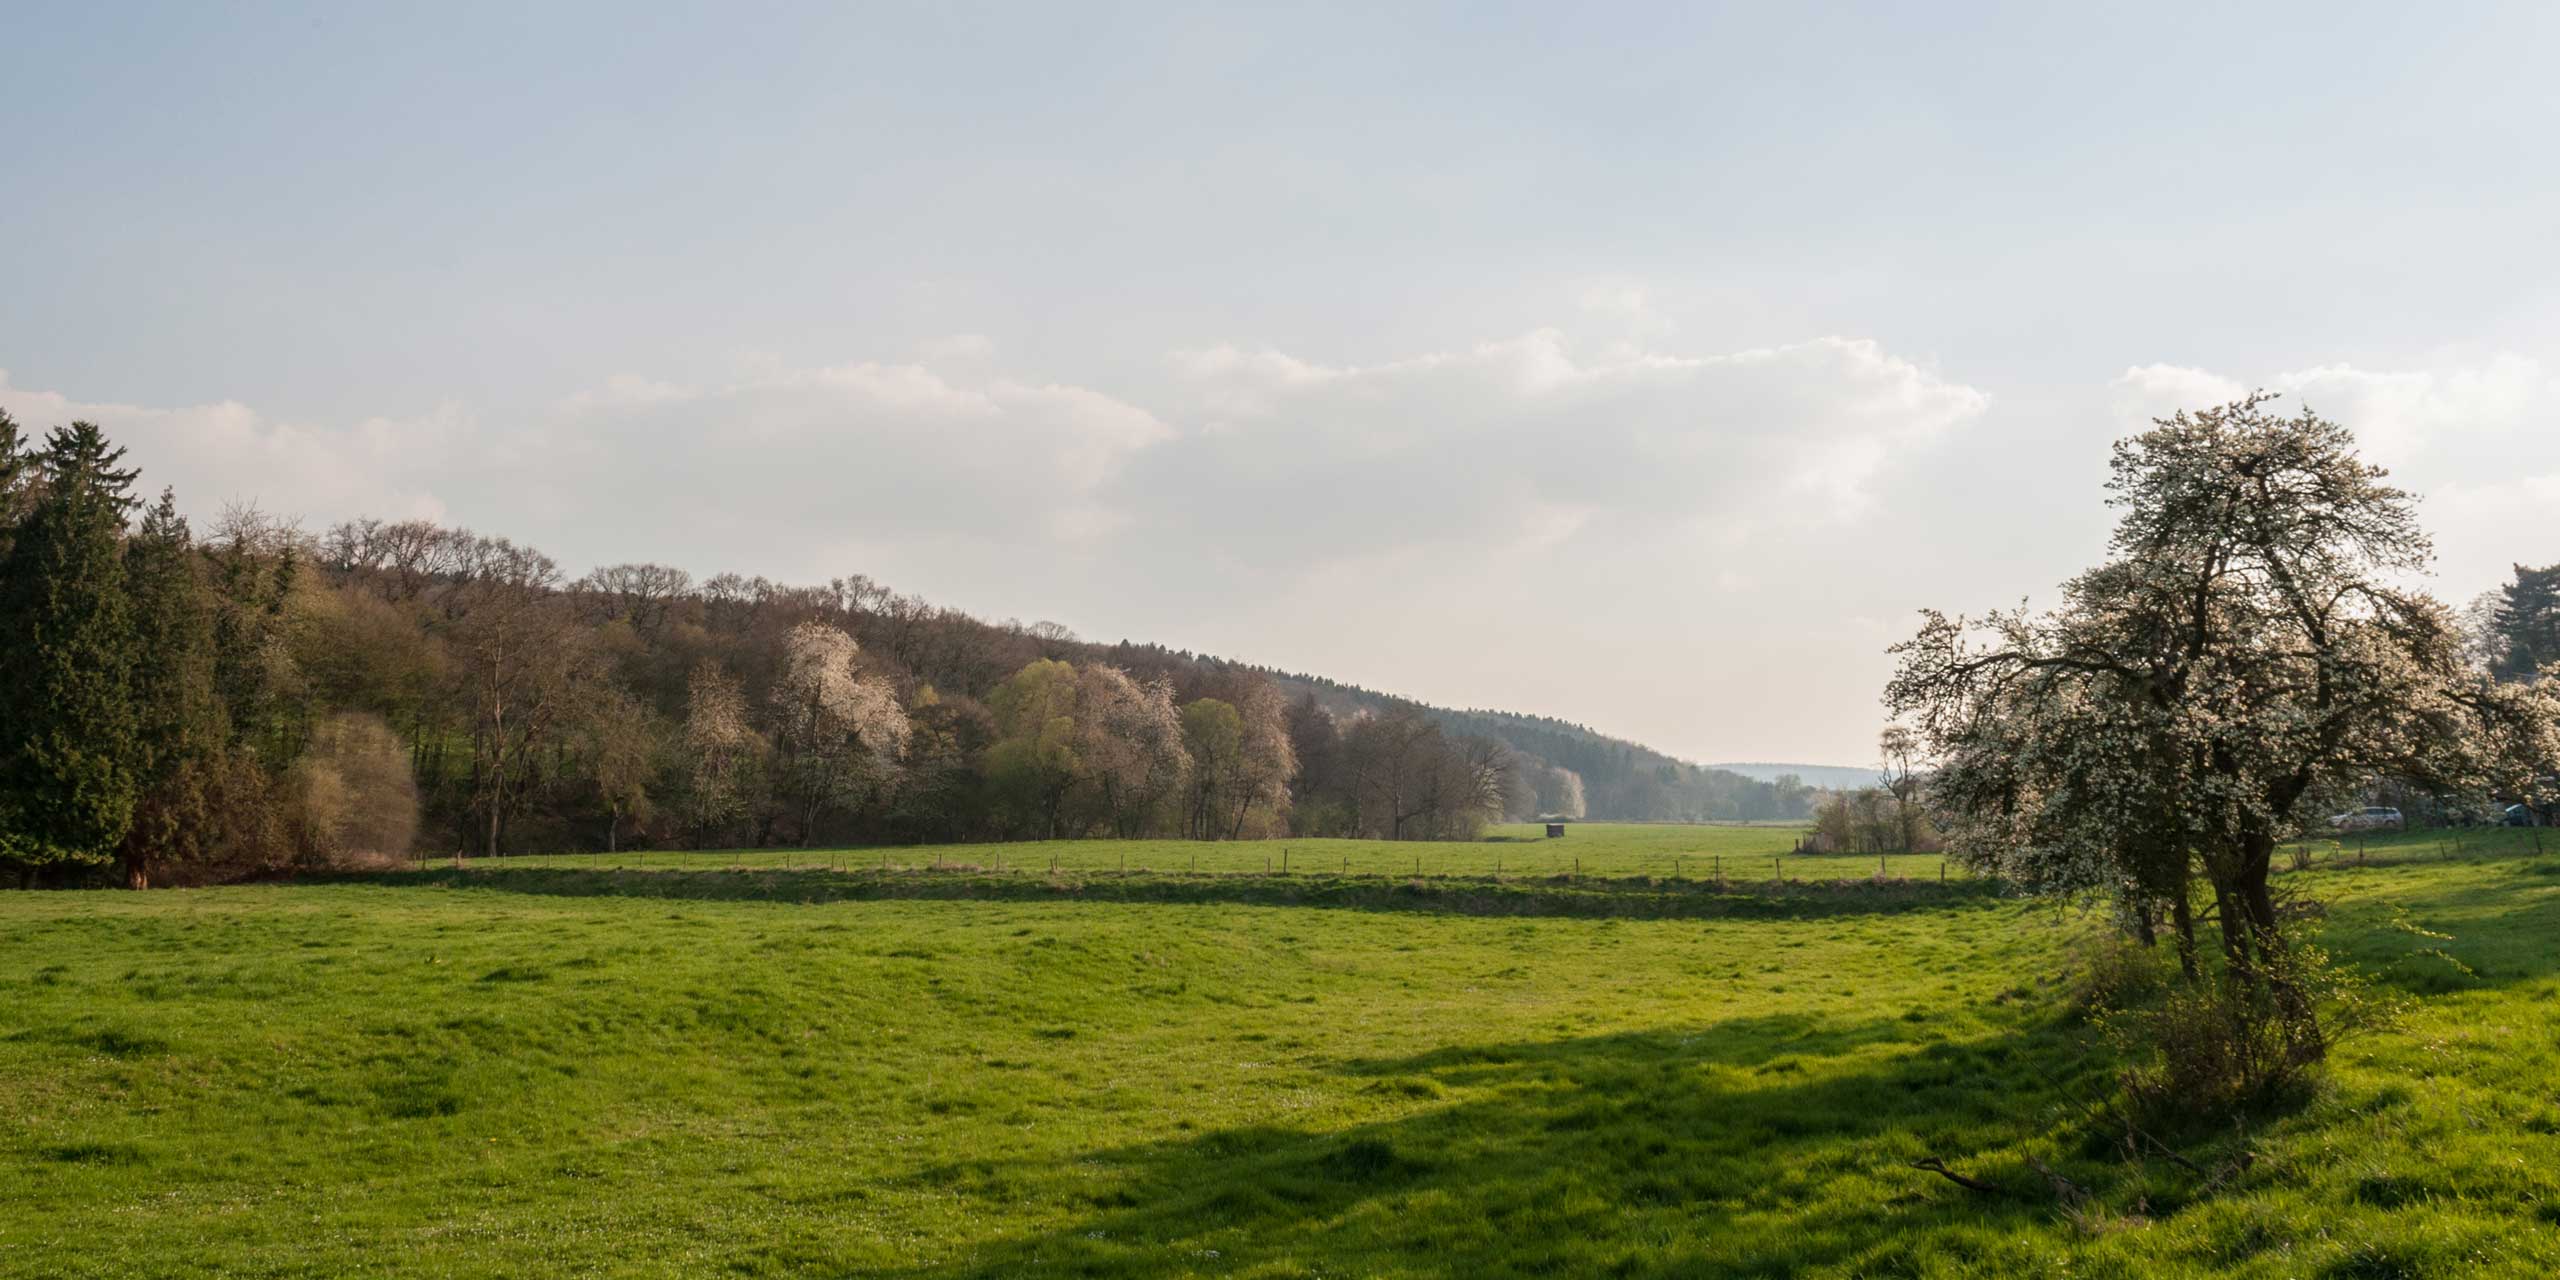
(252, 698)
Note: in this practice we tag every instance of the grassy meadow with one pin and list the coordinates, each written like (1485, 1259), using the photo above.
(528, 1070)
(1742, 853)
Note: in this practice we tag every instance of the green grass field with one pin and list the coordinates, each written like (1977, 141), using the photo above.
(1742, 853)
(521, 1070)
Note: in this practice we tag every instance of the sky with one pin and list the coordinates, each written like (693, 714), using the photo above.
(1645, 366)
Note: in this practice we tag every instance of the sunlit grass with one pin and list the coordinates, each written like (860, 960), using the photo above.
(1738, 853)
(528, 1072)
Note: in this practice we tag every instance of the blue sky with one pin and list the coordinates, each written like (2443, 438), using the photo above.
(1642, 365)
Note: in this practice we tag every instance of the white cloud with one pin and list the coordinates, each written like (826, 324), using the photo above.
(225, 452)
(2475, 439)
(2406, 416)
(2401, 416)
(1488, 445)
(2158, 390)
(865, 451)
(1255, 462)
(2484, 527)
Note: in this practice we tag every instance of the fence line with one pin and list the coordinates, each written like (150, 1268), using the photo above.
(1230, 859)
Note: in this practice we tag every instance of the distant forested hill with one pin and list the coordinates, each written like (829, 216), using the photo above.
(1829, 777)
(1620, 780)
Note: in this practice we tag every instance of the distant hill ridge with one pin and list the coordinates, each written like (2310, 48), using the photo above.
(1620, 779)
(1829, 777)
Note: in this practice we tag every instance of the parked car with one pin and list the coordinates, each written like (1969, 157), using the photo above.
(2518, 816)
(2375, 817)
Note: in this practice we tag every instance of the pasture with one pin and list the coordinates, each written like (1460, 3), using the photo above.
(521, 1070)
(1742, 853)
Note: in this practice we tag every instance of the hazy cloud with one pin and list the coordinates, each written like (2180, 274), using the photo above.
(227, 452)
(2472, 438)
(1528, 440)
(1258, 458)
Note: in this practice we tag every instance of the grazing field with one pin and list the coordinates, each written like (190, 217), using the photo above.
(555, 1071)
(1741, 853)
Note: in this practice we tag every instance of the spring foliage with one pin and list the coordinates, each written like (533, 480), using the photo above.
(2246, 646)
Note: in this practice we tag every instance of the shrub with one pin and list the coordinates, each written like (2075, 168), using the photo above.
(2111, 972)
(2224, 1045)
(353, 799)
(219, 817)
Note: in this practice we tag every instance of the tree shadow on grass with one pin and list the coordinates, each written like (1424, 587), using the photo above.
(1599, 897)
(1758, 1146)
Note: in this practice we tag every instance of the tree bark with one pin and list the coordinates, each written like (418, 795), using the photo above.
(2183, 916)
(2265, 932)
(2235, 931)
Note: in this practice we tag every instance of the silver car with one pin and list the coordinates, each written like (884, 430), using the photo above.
(2370, 818)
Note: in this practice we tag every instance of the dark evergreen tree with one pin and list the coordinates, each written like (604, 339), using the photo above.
(253, 570)
(2528, 624)
(178, 722)
(17, 477)
(67, 742)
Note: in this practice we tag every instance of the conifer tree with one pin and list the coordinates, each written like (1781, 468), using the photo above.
(17, 477)
(2527, 618)
(67, 742)
(252, 565)
(178, 721)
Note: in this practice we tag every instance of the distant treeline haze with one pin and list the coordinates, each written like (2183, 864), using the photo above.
(258, 697)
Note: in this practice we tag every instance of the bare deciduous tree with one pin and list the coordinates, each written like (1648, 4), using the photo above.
(722, 750)
(522, 663)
